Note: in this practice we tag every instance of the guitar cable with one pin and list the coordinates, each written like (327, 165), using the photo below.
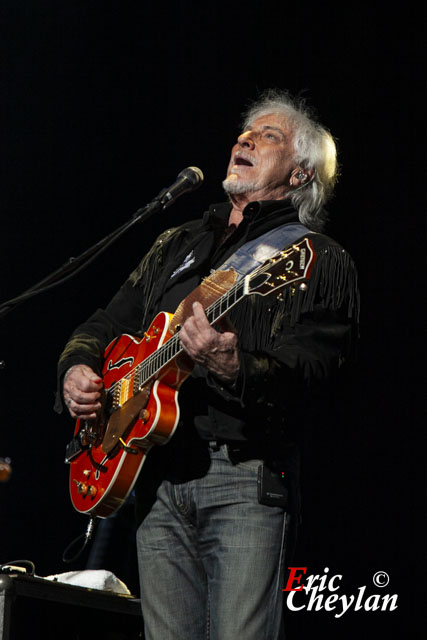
(86, 538)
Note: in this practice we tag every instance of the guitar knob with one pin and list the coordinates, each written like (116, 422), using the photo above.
(81, 487)
(91, 490)
(144, 415)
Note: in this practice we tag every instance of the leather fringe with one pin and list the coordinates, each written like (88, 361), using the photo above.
(332, 285)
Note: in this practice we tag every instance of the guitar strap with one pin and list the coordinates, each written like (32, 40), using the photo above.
(255, 252)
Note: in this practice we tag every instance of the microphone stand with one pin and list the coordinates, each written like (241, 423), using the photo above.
(75, 265)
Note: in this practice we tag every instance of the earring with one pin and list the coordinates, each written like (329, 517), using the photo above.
(301, 175)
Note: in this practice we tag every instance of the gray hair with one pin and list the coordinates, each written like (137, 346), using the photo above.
(314, 148)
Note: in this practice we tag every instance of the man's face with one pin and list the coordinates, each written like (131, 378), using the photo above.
(262, 160)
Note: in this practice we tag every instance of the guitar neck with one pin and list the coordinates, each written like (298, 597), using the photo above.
(287, 267)
(172, 348)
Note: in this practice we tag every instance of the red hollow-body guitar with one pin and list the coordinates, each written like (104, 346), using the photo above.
(142, 377)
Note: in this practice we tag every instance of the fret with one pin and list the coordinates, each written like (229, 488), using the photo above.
(223, 307)
(153, 364)
(212, 315)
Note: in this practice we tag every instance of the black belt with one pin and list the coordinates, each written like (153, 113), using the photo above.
(238, 451)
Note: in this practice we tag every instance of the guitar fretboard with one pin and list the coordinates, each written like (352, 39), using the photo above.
(154, 363)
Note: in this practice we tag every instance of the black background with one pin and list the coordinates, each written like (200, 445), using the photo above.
(103, 104)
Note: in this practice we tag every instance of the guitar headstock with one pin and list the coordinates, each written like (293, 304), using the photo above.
(292, 265)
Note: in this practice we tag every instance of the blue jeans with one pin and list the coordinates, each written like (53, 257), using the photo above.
(211, 558)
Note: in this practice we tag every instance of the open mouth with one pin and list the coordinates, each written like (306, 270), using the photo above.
(241, 160)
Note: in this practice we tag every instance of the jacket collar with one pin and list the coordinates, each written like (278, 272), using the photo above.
(258, 216)
(253, 210)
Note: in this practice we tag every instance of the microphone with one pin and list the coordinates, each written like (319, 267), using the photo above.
(188, 180)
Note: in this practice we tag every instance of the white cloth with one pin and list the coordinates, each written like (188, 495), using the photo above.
(92, 579)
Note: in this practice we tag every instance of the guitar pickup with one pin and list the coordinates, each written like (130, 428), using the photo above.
(73, 450)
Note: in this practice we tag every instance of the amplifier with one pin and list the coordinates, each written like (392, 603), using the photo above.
(37, 608)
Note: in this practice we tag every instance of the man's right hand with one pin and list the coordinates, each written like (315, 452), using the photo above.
(82, 392)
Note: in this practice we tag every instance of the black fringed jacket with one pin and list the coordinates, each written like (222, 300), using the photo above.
(287, 346)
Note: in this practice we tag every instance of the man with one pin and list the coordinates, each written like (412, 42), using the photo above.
(211, 549)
